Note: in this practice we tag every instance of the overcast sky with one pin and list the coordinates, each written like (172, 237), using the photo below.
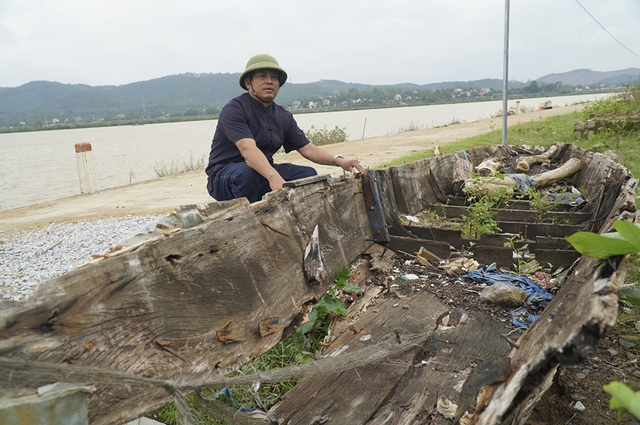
(118, 42)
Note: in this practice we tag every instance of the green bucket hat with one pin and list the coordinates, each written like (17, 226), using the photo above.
(263, 61)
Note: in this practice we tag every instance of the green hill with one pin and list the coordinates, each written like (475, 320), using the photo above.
(43, 103)
(587, 77)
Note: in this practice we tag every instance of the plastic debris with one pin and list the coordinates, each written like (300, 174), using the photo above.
(412, 218)
(521, 318)
(252, 411)
(446, 407)
(523, 181)
(459, 266)
(573, 198)
(537, 297)
(504, 294)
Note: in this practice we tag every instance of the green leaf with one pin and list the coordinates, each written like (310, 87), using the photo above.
(629, 231)
(630, 294)
(352, 287)
(623, 399)
(598, 246)
(334, 305)
(310, 325)
(344, 274)
(613, 235)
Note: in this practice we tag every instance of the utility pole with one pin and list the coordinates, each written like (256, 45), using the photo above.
(505, 73)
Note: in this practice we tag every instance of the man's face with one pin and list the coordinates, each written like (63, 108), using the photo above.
(264, 85)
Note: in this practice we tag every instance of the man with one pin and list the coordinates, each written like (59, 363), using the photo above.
(251, 128)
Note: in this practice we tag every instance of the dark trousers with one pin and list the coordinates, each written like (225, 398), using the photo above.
(237, 180)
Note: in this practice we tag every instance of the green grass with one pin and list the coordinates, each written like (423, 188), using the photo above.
(545, 133)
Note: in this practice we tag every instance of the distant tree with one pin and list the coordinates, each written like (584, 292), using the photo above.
(212, 110)
(191, 112)
(532, 87)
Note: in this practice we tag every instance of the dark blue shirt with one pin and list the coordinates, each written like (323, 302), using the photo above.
(244, 117)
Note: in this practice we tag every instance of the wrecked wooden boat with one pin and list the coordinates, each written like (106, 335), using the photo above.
(214, 286)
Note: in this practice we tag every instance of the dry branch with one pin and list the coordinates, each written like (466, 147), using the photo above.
(488, 167)
(548, 178)
(524, 164)
(545, 179)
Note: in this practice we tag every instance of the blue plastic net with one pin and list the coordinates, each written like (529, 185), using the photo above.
(537, 296)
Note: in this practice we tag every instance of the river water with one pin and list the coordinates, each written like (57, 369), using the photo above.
(41, 166)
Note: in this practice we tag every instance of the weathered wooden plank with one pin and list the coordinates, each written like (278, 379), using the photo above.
(514, 204)
(520, 216)
(374, 206)
(405, 387)
(560, 217)
(596, 168)
(517, 204)
(547, 242)
(487, 254)
(411, 246)
(533, 230)
(333, 394)
(610, 191)
(500, 239)
(556, 257)
(436, 234)
(448, 358)
(411, 186)
(389, 200)
(166, 309)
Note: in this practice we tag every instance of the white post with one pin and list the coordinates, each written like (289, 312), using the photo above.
(86, 170)
(505, 73)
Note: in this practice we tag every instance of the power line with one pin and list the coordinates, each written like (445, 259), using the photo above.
(601, 26)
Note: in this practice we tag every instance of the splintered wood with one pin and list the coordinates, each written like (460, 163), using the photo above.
(196, 303)
(510, 375)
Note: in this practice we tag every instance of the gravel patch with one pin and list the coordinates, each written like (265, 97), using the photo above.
(30, 257)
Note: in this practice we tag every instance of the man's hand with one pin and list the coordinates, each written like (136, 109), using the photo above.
(321, 156)
(276, 182)
(350, 165)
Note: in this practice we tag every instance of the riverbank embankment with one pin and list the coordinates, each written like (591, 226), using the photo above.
(162, 195)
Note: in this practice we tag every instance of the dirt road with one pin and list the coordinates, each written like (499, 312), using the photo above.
(163, 195)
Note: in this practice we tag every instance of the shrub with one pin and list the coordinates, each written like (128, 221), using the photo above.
(323, 136)
(626, 101)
